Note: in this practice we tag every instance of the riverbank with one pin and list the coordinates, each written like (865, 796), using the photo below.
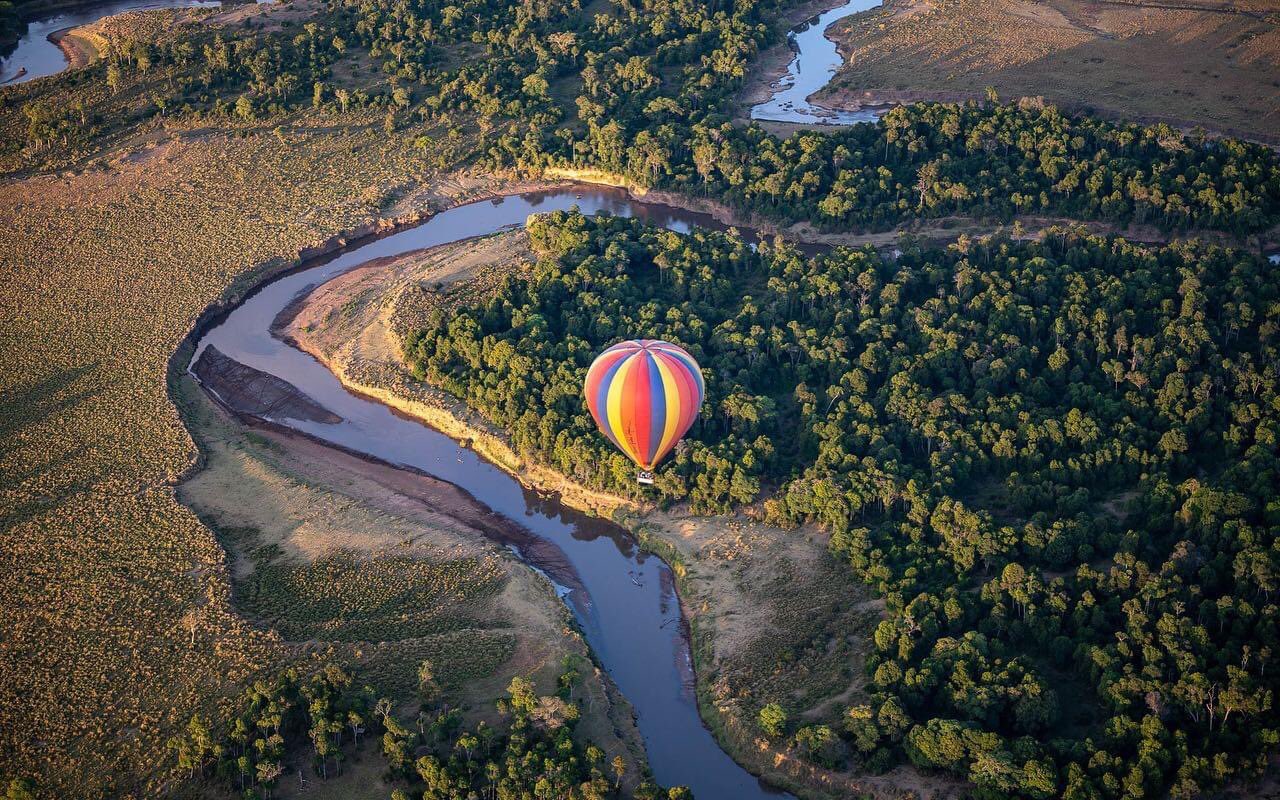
(73, 35)
(939, 230)
(770, 66)
(289, 508)
(79, 50)
(95, 444)
(1131, 62)
(750, 592)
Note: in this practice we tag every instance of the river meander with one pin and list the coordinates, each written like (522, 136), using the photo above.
(37, 56)
(627, 606)
(815, 61)
(624, 599)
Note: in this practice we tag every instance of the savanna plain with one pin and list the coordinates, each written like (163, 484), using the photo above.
(981, 502)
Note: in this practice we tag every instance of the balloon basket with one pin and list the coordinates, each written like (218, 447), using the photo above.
(645, 477)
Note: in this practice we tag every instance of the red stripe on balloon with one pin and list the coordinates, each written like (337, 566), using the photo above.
(630, 403)
(643, 410)
(595, 376)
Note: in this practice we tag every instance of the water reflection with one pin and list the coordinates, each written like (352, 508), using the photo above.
(36, 56)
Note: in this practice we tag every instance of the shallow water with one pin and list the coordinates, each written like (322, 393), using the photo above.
(628, 608)
(42, 57)
(816, 61)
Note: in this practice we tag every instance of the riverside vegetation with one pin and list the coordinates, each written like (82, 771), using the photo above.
(245, 135)
(531, 752)
(644, 92)
(1054, 460)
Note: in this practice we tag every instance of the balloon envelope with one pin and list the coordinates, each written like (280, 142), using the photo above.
(644, 394)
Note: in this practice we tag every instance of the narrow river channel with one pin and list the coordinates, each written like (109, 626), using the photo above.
(625, 602)
(816, 60)
(37, 55)
(627, 606)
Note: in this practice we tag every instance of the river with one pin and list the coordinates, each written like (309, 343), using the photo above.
(627, 607)
(816, 60)
(39, 56)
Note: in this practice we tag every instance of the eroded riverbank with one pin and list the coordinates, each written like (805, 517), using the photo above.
(288, 507)
(632, 617)
(815, 59)
(711, 555)
(45, 48)
(728, 568)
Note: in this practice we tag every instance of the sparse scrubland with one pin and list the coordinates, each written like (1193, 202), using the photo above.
(1047, 465)
(105, 271)
(1189, 64)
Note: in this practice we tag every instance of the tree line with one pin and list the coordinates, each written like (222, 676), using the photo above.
(285, 724)
(1054, 459)
(648, 90)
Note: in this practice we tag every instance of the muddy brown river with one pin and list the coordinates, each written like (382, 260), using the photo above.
(623, 598)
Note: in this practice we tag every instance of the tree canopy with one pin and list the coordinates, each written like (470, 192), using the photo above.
(1055, 459)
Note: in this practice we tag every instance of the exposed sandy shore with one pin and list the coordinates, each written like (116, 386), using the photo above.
(255, 393)
(727, 567)
(77, 49)
(770, 66)
(307, 500)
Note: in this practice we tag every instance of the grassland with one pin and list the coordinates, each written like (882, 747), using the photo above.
(106, 269)
(340, 556)
(774, 619)
(1206, 63)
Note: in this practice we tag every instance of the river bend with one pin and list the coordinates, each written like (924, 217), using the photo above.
(815, 62)
(37, 56)
(627, 605)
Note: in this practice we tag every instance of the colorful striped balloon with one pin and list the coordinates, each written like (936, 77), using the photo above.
(644, 394)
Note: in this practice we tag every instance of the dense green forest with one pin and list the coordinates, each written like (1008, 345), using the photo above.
(1055, 459)
(314, 725)
(11, 27)
(647, 90)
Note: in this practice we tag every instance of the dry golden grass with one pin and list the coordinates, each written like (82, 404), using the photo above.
(1214, 64)
(327, 548)
(103, 274)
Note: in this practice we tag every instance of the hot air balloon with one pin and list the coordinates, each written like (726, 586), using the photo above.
(644, 394)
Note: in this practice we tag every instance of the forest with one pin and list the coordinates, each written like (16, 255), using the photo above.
(647, 90)
(1055, 459)
(312, 725)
